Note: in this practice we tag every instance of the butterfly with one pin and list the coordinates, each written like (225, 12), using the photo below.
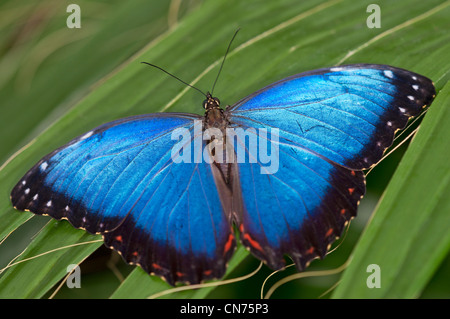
(180, 219)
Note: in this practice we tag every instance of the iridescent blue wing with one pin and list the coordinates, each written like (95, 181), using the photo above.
(120, 180)
(332, 124)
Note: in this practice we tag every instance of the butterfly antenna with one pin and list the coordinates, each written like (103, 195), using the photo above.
(175, 77)
(223, 61)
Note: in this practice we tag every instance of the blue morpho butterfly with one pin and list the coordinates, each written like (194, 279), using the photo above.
(176, 220)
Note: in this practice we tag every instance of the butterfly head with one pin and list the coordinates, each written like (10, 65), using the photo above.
(211, 102)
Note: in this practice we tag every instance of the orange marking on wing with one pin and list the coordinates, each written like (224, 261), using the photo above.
(207, 272)
(343, 211)
(228, 244)
(156, 266)
(118, 238)
(329, 232)
(135, 253)
(253, 242)
(179, 274)
(353, 173)
(351, 190)
(310, 250)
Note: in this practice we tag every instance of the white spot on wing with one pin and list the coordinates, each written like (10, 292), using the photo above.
(410, 97)
(388, 73)
(402, 109)
(389, 123)
(414, 77)
(85, 136)
(27, 191)
(49, 203)
(67, 208)
(24, 182)
(35, 197)
(43, 166)
(415, 87)
(337, 69)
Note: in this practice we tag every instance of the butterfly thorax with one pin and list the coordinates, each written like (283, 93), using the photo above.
(215, 119)
(214, 115)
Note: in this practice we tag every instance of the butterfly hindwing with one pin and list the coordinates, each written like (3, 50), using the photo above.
(119, 180)
(300, 209)
(331, 123)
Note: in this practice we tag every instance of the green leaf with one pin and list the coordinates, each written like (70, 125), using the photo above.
(46, 67)
(34, 273)
(408, 235)
(277, 39)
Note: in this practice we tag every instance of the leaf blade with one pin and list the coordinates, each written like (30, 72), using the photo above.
(412, 203)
